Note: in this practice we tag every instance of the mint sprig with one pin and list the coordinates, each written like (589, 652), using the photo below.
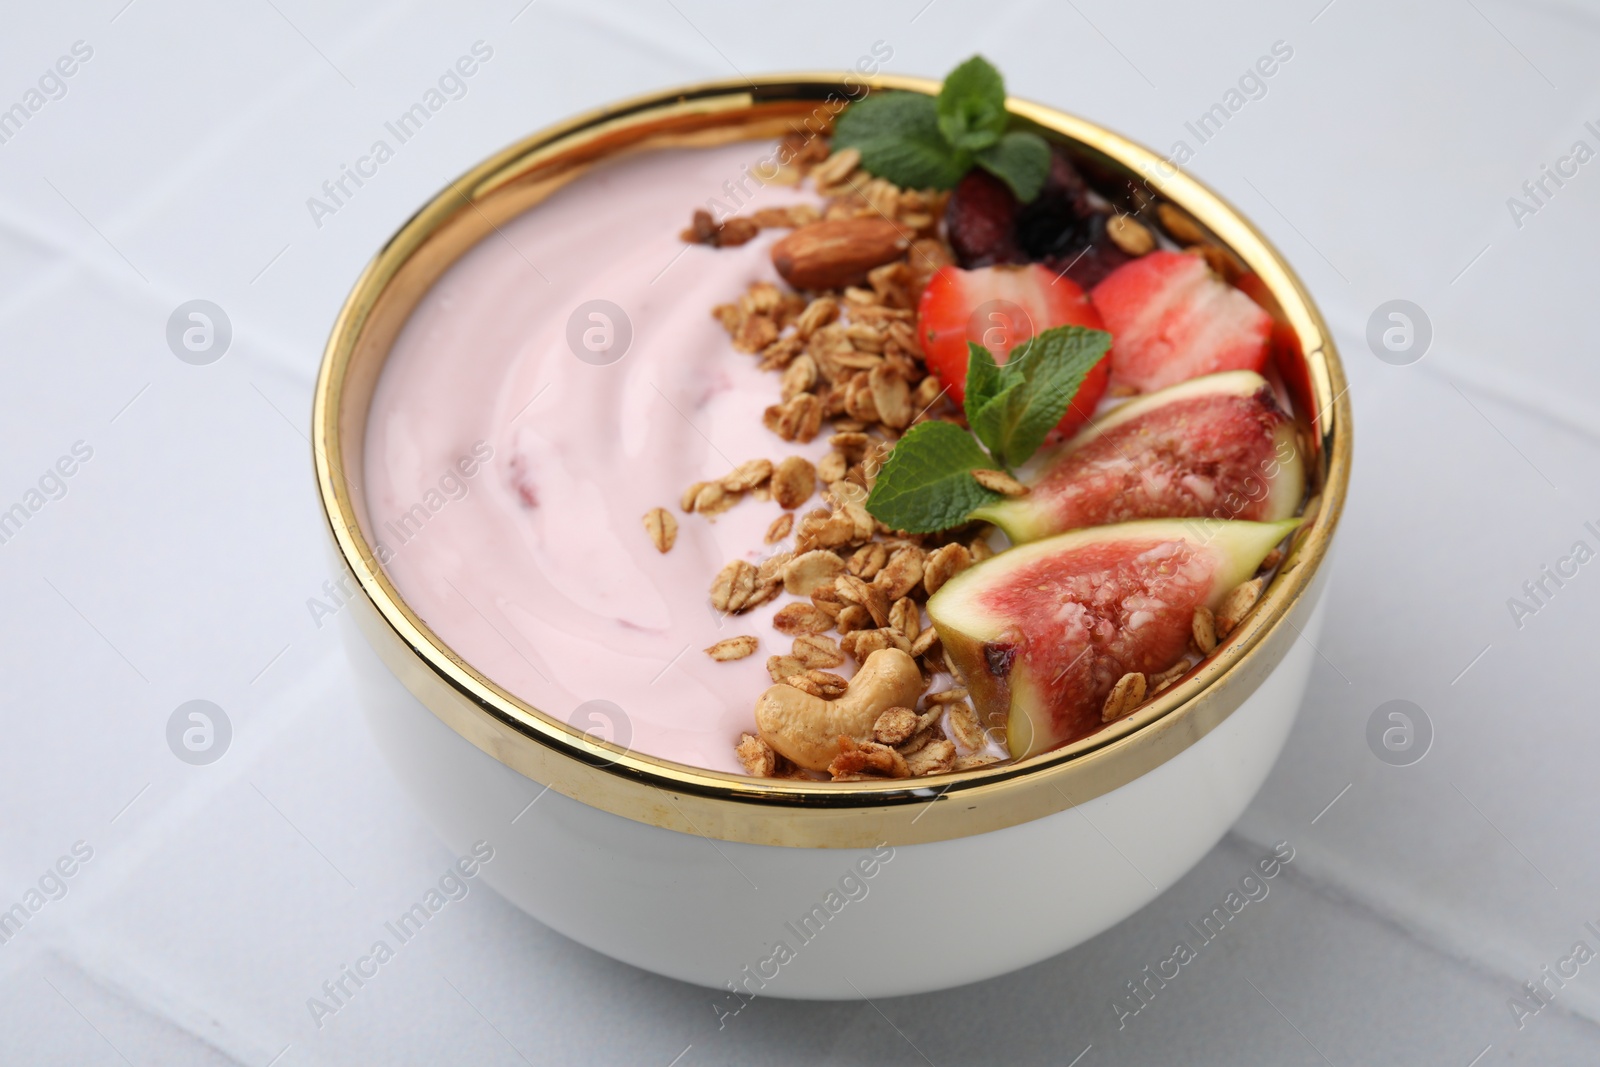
(972, 105)
(921, 142)
(926, 483)
(1029, 394)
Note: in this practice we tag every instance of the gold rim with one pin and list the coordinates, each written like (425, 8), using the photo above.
(780, 812)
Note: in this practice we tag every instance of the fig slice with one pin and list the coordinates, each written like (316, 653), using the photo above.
(1215, 447)
(1042, 632)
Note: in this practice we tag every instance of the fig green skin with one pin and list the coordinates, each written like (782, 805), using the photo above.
(1007, 692)
(1282, 476)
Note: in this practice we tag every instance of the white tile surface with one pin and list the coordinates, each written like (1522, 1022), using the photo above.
(178, 563)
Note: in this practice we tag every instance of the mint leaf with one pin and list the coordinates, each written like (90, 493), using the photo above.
(1051, 367)
(926, 483)
(983, 380)
(991, 421)
(922, 142)
(1021, 160)
(897, 134)
(972, 105)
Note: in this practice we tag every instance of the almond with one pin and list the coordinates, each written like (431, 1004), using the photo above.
(832, 254)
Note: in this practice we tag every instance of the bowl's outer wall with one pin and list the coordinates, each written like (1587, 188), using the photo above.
(711, 913)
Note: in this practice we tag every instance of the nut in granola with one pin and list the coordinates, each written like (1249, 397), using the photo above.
(833, 253)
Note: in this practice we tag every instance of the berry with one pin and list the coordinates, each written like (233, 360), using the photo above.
(1051, 225)
(981, 219)
(1091, 255)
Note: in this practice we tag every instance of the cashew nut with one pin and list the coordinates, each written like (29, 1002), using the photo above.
(806, 729)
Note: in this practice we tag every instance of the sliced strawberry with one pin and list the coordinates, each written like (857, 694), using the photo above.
(999, 307)
(1174, 320)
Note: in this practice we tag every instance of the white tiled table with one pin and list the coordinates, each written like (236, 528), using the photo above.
(178, 563)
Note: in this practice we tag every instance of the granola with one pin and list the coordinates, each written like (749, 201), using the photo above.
(849, 366)
(662, 528)
(846, 354)
(733, 648)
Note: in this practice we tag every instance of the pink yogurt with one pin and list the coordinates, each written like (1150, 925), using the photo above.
(536, 568)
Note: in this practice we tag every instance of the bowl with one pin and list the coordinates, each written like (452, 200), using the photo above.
(796, 888)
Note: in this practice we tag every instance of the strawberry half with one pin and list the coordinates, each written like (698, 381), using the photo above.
(1173, 319)
(999, 308)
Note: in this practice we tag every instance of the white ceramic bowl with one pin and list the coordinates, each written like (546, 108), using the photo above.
(802, 889)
